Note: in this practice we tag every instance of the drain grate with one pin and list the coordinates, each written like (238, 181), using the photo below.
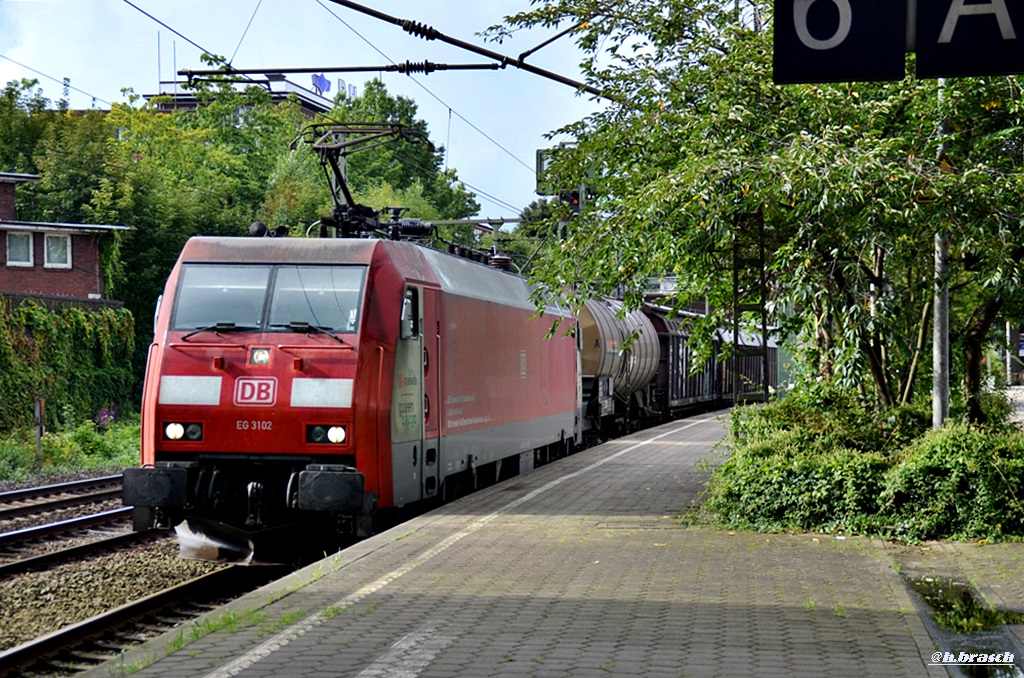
(665, 523)
(967, 630)
(955, 606)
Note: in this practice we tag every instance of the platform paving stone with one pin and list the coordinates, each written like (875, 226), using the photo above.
(582, 568)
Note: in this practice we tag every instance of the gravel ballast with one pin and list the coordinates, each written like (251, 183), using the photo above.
(36, 603)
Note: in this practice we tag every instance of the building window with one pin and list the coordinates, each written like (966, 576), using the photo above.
(19, 249)
(58, 251)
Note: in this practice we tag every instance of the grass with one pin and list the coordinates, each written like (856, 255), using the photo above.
(87, 447)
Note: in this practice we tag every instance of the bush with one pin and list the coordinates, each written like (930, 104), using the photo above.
(961, 482)
(818, 461)
(86, 447)
(787, 481)
(833, 418)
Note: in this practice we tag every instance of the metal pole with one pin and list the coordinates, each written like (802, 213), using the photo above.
(1009, 359)
(940, 331)
(940, 336)
(39, 419)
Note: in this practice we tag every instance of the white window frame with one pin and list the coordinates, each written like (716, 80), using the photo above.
(31, 250)
(46, 250)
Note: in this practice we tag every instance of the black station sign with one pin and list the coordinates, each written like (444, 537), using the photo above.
(839, 40)
(957, 38)
(851, 40)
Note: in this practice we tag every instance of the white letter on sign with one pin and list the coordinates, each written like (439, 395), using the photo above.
(958, 9)
(800, 9)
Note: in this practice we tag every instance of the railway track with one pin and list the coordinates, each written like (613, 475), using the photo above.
(40, 561)
(40, 545)
(48, 498)
(81, 646)
(44, 525)
(95, 545)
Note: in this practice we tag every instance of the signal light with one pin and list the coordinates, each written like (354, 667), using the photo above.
(572, 199)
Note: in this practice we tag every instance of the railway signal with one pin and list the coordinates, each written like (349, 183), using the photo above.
(572, 199)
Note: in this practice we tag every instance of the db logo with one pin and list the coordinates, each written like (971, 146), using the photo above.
(256, 391)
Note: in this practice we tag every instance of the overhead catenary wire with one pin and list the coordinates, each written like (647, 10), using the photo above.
(182, 35)
(431, 33)
(512, 155)
(487, 196)
(177, 33)
(50, 77)
(483, 194)
(407, 67)
(245, 32)
(375, 48)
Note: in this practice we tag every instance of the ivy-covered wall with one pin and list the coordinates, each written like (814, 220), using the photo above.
(78, 360)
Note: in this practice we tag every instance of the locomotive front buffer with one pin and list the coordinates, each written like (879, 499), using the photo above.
(163, 492)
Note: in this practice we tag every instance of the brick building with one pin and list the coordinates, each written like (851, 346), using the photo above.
(58, 262)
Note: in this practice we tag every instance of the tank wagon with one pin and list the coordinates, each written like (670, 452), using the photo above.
(638, 367)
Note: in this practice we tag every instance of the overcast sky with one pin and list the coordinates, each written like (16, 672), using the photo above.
(106, 45)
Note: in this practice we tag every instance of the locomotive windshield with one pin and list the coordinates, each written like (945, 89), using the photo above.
(269, 298)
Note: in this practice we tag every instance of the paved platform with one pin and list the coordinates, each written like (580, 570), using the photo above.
(582, 569)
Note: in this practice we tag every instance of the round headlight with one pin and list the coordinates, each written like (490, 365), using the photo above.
(336, 434)
(317, 434)
(260, 356)
(174, 431)
(194, 431)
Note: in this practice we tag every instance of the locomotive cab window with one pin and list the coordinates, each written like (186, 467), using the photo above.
(218, 294)
(327, 297)
(269, 298)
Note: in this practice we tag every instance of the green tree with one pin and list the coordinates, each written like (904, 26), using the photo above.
(25, 114)
(172, 176)
(71, 159)
(400, 164)
(699, 151)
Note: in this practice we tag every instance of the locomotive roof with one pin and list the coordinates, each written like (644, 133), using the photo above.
(413, 262)
(277, 250)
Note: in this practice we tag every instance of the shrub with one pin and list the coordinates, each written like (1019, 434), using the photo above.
(819, 461)
(85, 447)
(786, 481)
(961, 481)
(78, 361)
(833, 418)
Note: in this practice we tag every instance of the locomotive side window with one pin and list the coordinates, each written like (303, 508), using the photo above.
(410, 321)
(211, 294)
(325, 296)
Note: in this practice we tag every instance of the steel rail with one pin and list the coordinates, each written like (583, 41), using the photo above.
(47, 559)
(57, 504)
(26, 654)
(57, 488)
(65, 526)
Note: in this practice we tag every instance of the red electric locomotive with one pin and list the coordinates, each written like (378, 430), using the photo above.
(312, 381)
(306, 383)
